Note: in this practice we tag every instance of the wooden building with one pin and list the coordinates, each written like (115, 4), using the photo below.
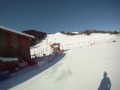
(14, 45)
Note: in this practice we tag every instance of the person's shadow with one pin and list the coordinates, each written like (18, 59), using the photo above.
(105, 83)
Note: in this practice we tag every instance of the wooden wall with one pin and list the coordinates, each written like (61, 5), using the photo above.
(23, 46)
(12, 44)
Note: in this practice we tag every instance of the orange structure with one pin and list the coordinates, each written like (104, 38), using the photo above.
(55, 47)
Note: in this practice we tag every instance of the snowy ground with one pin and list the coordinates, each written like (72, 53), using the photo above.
(68, 42)
(76, 69)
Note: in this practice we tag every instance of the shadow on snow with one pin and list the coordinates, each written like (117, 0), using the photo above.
(105, 83)
(12, 82)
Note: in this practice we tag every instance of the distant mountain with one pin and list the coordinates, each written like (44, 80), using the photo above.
(37, 34)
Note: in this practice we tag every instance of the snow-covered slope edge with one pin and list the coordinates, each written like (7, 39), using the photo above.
(68, 42)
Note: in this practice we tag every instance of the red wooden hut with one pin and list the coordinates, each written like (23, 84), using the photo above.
(14, 49)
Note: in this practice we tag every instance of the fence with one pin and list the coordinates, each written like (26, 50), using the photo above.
(86, 43)
(39, 52)
(39, 62)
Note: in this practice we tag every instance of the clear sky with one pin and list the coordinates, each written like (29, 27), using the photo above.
(60, 15)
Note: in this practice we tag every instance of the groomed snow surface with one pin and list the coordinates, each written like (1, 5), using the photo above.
(75, 69)
(68, 42)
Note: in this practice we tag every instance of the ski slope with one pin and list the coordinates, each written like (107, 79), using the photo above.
(76, 69)
(68, 42)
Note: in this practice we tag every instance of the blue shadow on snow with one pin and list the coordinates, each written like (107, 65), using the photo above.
(105, 83)
(12, 82)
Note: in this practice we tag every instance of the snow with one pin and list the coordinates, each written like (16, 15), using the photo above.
(76, 69)
(68, 42)
(8, 59)
(14, 31)
(75, 32)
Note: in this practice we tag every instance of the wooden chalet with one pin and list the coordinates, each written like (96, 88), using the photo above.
(14, 49)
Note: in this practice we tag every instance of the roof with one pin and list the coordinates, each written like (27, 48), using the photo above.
(17, 32)
(55, 45)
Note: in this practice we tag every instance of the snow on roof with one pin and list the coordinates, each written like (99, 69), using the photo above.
(8, 59)
(17, 32)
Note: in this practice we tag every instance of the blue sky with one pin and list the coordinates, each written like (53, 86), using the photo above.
(60, 15)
